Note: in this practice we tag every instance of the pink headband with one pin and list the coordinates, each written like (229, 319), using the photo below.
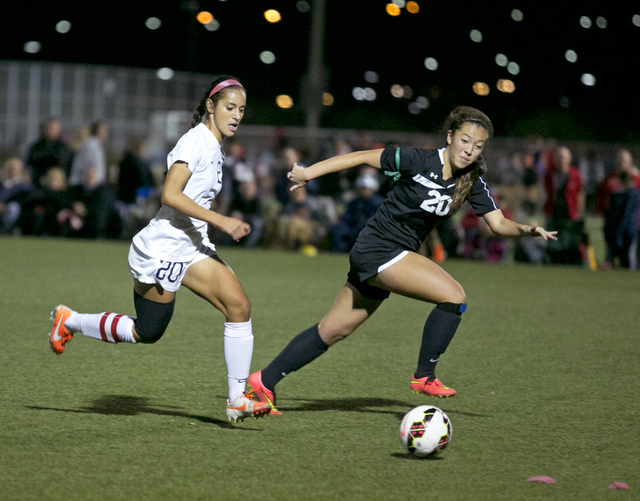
(223, 84)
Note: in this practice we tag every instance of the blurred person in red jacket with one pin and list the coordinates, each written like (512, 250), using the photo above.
(613, 184)
(564, 208)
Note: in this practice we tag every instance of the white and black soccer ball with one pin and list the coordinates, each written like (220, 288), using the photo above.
(425, 431)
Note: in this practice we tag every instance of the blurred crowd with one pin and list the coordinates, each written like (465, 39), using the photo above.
(70, 189)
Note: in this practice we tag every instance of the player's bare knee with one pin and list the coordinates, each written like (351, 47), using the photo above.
(457, 295)
(238, 311)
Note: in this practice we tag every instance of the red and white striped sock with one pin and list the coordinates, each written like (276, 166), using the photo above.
(108, 327)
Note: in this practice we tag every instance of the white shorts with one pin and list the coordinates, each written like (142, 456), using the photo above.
(167, 274)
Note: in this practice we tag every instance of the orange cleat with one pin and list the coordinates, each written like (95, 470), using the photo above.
(432, 387)
(59, 333)
(261, 392)
(244, 407)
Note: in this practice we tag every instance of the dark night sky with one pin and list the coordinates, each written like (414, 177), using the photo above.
(361, 37)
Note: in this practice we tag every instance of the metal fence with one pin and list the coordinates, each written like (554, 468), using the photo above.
(135, 102)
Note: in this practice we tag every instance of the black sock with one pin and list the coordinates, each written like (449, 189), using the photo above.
(302, 349)
(438, 331)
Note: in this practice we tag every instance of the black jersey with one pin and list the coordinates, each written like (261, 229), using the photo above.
(419, 199)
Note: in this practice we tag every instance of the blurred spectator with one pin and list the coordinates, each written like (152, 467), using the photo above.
(246, 206)
(235, 170)
(48, 211)
(610, 185)
(95, 204)
(305, 220)
(91, 154)
(621, 223)
(134, 172)
(15, 188)
(480, 242)
(358, 211)
(564, 208)
(49, 151)
(530, 182)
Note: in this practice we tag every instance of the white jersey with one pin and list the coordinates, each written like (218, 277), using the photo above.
(171, 235)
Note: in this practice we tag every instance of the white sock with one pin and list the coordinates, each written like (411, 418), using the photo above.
(108, 327)
(238, 349)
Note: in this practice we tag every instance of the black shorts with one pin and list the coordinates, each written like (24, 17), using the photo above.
(365, 262)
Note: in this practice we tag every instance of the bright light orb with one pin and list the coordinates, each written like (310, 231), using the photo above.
(481, 88)
(585, 22)
(397, 91)
(371, 77)
(601, 22)
(476, 36)
(285, 102)
(588, 79)
(370, 94)
(571, 56)
(204, 17)
(358, 93)
(153, 23)
(513, 68)
(327, 99)
(272, 15)
(413, 7)
(63, 27)
(414, 109)
(399, 3)
(32, 47)
(393, 9)
(212, 26)
(517, 15)
(506, 86)
(267, 57)
(165, 73)
(431, 64)
(423, 102)
(502, 60)
(635, 20)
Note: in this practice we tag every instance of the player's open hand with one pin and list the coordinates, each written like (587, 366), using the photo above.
(539, 231)
(297, 176)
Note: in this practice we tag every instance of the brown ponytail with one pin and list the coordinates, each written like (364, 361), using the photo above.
(464, 183)
(201, 110)
(459, 116)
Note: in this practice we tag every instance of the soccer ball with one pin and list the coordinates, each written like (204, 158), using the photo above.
(425, 431)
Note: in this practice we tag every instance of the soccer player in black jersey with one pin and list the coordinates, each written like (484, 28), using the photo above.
(430, 185)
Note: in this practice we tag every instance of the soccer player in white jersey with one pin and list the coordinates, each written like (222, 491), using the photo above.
(430, 185)
(174, 249)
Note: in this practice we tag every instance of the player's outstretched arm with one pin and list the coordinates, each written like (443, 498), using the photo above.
(504, 227)
(301, 176)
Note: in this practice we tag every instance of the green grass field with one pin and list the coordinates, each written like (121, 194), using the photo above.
(546, 365)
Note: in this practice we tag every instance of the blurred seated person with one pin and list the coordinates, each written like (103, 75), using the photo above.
(621, 223)
(480, 243)
(564, 209)
(530, 199)
(246, 206)
(358, 211)
(48, 210)
(134, 172)
(304, 221)
(49, 151)
(95, 203)
(15, 188)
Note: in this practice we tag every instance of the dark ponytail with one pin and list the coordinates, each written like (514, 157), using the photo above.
(201, 110)
(456, 119)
